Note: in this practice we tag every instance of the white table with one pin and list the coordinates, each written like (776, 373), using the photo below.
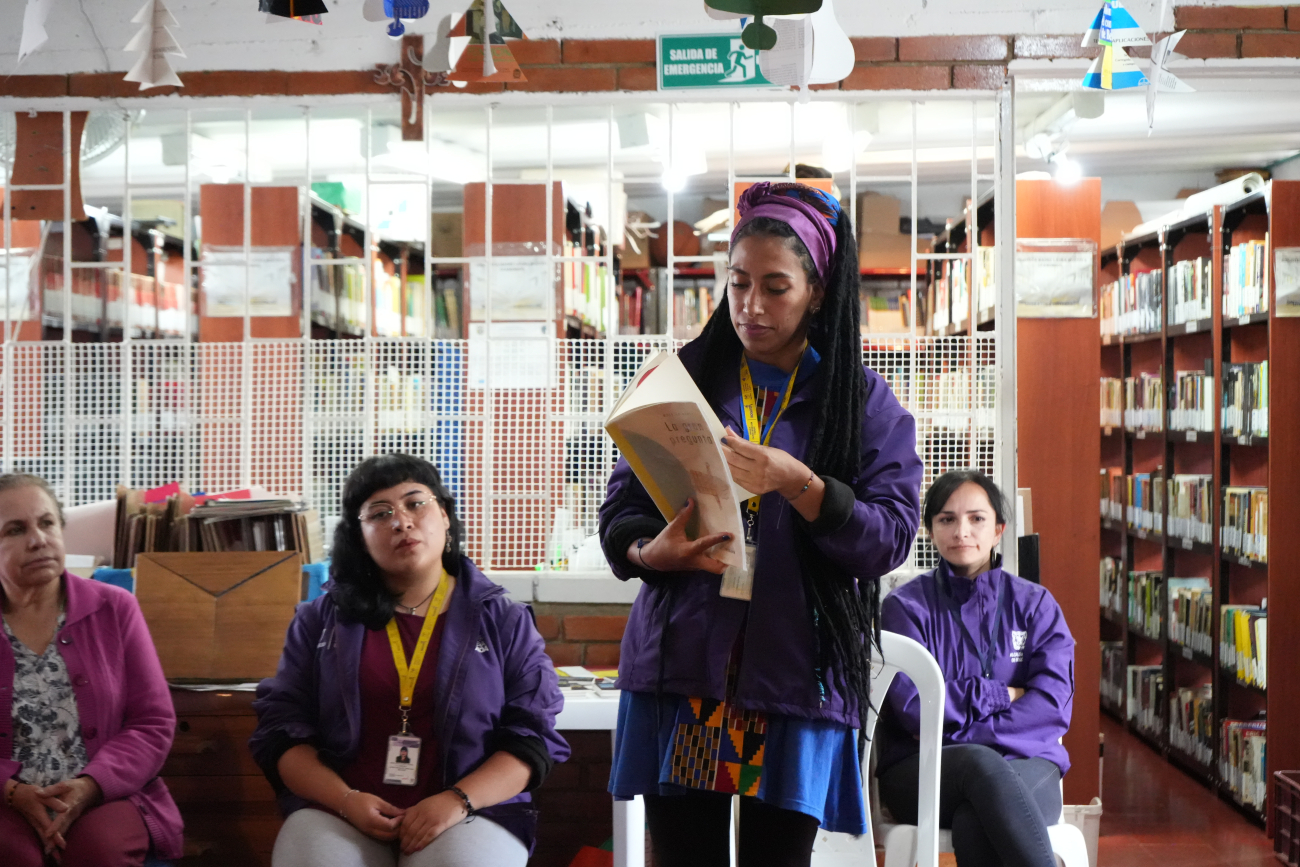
(591, 710)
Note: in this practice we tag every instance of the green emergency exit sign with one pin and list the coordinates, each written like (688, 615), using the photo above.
(707, 60)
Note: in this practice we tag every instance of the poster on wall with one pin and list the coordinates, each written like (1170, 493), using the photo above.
(1286, 279)
(1056, 278)
(270, 276)
(523, 288)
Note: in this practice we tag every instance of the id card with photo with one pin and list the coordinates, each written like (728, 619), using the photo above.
(403, 762)
(739, 583)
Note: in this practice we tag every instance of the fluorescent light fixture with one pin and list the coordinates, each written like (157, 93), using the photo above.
(1068, 171)
(674, 181)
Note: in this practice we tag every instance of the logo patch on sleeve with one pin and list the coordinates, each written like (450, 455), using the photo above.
(1018, 641)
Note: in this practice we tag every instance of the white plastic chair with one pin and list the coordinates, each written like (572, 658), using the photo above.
(899, 654)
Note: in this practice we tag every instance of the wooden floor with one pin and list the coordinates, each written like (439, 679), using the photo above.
(1157, 816)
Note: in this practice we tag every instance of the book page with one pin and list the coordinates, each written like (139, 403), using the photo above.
(672, 451)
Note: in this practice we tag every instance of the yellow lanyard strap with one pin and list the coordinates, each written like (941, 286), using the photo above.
(409, 674)
(752, 429)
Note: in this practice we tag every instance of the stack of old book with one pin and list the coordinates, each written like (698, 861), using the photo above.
(168, 519)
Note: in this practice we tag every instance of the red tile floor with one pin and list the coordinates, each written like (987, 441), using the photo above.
(1154, 815)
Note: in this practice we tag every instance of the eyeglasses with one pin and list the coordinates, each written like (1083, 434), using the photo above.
(381, 513)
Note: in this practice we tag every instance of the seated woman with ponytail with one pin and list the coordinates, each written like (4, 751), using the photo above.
(761, 696)
(1008, 661)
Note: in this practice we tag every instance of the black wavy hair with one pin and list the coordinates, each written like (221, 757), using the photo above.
(946, 485)
(844, 608)
(357, 587)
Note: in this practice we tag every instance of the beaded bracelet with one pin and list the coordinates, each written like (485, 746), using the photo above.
(343, 803)
(470, 812)
(806, 486)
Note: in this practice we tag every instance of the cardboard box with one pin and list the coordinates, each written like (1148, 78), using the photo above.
(630, 259)
(446, 236)
(219, 616)
(878, 213)
(884, 252)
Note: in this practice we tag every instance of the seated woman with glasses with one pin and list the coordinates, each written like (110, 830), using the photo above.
(414, 706)
(1008, 662)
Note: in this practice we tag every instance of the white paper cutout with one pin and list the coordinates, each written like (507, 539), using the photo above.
(833, 56)
(34, 33)
(489, 28)
(1162, 80)
(155, 41)
(789, 63)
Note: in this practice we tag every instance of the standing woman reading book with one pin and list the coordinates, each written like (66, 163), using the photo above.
(761, 696)
(1008, 661)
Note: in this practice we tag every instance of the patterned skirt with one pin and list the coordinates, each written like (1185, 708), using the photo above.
(676, 745)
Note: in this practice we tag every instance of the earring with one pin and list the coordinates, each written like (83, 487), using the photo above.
(447, 547)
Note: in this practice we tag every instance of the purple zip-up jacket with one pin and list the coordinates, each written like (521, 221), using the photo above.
(866, 527)
(494, 683)
(127, 717)
(1032, 650)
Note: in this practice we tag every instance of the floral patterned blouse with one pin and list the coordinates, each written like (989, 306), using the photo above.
(47, 726)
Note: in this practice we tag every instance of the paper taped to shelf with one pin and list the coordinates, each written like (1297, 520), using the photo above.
(16, 284)
(269, 275)
(1055, 278)
(520, 354)
(1286, 277)
(523, 288)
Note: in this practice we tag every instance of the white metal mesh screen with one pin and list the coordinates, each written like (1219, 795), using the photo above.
(513, 425)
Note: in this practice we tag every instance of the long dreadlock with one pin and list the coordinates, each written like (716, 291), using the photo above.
(844, 608)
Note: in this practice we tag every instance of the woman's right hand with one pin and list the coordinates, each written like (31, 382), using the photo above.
(27, 802)
(671, 551)
(372, 816)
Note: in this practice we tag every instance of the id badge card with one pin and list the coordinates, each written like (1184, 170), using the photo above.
(403, 762)
(738, 583)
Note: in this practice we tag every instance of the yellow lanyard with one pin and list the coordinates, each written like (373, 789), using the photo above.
(409, 674)
(752, 431)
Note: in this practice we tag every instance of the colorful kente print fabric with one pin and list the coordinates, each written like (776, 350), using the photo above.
(717, 746)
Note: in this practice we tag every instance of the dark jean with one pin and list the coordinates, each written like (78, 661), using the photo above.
(996, 808)
(691, 831)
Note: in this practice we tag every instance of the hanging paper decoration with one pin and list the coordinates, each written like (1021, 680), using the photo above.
(34, 33)
(403, 9)
(1112, 29)
(155, 41)
(758, 35)
(298, 10)
(1162, 80)
(480, 40)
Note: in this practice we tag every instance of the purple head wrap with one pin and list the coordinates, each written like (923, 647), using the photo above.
(811, 213)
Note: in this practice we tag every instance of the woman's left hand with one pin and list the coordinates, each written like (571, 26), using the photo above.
(69, 799)
(760, 469)
(427, 820)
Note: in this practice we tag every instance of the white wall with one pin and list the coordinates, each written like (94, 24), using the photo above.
(88, 35)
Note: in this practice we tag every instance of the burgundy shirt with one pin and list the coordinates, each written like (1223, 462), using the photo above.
(381, 714)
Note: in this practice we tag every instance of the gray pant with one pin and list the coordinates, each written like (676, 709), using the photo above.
(313, 838)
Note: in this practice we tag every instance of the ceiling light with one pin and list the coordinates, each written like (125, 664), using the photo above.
(1068, 171)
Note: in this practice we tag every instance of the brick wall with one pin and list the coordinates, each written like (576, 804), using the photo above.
(585, 635)
(883, 62)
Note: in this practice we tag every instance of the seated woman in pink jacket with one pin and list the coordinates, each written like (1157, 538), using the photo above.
(85, 717)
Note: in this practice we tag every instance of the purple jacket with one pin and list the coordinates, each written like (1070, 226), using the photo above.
(866, 527)
(494, 682)
(126, 711)
(1032, 650)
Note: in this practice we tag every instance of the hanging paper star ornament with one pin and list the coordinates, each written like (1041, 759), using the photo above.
(1162, 80)
(1114, 70)
(155, 41)
(479, 40)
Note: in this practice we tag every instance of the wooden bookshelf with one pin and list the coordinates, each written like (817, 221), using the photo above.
(1272, 461)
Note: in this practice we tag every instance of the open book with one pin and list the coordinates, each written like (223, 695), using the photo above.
(672, 439)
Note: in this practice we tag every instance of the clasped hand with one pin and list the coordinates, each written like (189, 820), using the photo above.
(67, 800)
(760, 469)
(414, 828)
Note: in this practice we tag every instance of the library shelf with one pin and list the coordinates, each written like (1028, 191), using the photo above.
(1135, 631)
(1112, 525)
(1273, 221)
(1248, 810)
(1193, 767)
(1144, 535)
(1113, 616)
(1154, 741)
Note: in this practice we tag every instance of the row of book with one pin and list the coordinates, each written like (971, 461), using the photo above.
(170, 519)
(1189, 291)
(1243, 643)
(1191, 613)
(1145, 697)
(1114, 673)
(1245, 276)
(1191, 723)
(1192, 406)
(1245, 522)
(1191, 507)
(1112, 595)
(1245, 399)
(1243, 761)
(1145, 607)
(1132, 304)
(1114, 487)
(1112, 401)
(1145, 506)
(1144, 402)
